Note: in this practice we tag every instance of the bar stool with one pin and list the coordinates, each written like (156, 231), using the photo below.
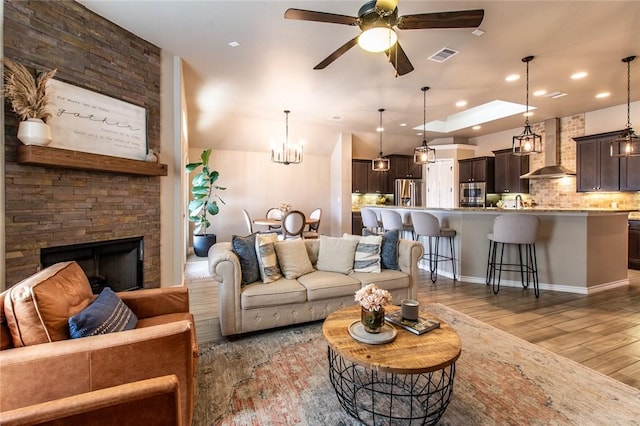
(370, 220)
(519, 229)
(427, 225)
(392, 221)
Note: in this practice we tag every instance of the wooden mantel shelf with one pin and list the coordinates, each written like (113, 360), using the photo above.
(36, 155)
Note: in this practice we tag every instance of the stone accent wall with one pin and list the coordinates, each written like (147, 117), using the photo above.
(561, 193)
(48, 207)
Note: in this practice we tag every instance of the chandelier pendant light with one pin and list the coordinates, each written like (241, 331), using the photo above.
(380, 164)
(287, 153)
(628, 143)
(527, 142)
(424, 154)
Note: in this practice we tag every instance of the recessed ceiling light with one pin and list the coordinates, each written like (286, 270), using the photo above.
(603, 95)
(528, 114)
(234, 44)
(512, 77)
(379, 129)
(477, 32)
(461, 103)
(477, 127)
(579, 75)
(402, 124)
(539, 93)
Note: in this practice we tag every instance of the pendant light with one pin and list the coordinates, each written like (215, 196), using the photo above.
(423, 154)
(287, 153)
(527, 142)
(380, 164)
(628, 143)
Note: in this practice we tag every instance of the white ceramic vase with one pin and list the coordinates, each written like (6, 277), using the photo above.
(34, 131)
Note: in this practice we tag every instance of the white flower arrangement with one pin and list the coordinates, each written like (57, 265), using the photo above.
(284, 207)
(372, 298)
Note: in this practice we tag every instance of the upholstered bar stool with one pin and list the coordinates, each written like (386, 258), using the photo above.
(521, 230)
(427, 225)
(370, 220)
(392, 220)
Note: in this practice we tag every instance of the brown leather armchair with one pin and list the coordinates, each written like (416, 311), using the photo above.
(163, 343)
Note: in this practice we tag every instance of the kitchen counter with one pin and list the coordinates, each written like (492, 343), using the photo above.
(579, 250)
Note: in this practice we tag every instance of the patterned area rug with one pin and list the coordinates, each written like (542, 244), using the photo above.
(280, 377)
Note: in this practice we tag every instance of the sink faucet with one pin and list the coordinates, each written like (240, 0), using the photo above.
(519, 204)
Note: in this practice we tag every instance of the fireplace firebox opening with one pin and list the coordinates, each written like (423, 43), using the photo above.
(117, 264)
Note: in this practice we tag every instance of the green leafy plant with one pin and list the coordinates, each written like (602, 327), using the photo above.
(205, 200)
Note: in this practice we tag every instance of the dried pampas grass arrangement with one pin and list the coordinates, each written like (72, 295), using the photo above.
(27, 94)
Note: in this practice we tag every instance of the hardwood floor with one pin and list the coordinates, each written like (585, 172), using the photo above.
(600, 331)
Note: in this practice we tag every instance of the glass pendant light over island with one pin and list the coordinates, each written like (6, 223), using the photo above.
(527, 142)
(423, 154)
(380, 164)
(286, 153)
(628, 143)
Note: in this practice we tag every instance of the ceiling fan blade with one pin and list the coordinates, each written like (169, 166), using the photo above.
(387, 5)
(335, 55)
(310, 15)
(401, 61)
(458, 19)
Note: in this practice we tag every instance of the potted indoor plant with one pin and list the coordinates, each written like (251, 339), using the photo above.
(204, 203)
(30, 100)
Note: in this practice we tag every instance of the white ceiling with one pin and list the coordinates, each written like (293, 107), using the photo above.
(236, 96)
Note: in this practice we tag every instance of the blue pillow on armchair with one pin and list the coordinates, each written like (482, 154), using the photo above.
(106, 314)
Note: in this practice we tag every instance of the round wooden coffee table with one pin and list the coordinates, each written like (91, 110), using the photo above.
(408, 380)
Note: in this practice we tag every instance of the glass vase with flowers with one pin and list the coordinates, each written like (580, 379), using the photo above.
(372, 300)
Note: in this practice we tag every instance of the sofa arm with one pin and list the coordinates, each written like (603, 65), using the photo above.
(156, 301)
(224, 267)
(49, 371)
(146, 402)
(409, 254)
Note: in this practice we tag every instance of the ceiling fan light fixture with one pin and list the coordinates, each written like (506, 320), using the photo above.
(423, 154)
(527, 142)
(377, 38)
(380, 164)
(628, 143)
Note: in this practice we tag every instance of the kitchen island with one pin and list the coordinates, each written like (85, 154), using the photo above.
(578, 251)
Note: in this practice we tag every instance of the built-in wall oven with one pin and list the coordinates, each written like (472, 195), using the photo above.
(473, 194)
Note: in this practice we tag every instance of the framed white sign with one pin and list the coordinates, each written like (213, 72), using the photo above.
(90, 122)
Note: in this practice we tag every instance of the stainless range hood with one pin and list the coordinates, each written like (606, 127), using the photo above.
(552, 169)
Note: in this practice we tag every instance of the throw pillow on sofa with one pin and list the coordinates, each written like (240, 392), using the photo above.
(388, 249)
(293, 258)
(107, 314)
(367, 258)
(336, 254)
(267, 260)
(245, 249)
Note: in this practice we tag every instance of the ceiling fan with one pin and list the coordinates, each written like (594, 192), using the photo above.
(382, 15)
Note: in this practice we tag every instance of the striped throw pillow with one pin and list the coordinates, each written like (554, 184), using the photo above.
(106, 314)
(267, 259)
(367, 257)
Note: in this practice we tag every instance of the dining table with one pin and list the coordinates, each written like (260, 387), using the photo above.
(278, 222)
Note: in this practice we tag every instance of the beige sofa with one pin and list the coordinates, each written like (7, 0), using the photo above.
(310, 297)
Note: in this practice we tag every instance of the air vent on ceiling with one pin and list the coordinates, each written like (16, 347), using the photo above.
(554, 95)
(443, 54)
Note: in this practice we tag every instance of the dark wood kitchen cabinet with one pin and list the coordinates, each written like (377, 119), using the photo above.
(356, 223)
(359, 176)
(596, 170)
(403, 167)
(377, 182)
(508, 168)
(478, 169)
(634, 244)
(630, 174)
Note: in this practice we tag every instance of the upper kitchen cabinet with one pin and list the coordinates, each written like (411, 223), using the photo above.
(478, 169)
(630, 173)
(365, 180)
(403, 167)
(508, 169)
(596, 170)
(359, 173)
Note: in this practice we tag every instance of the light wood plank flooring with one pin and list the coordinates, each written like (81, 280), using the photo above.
(600, 331)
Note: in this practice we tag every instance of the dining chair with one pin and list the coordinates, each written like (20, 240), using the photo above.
(293, 223)
(247, 221)
(274, 213)
(312, 231)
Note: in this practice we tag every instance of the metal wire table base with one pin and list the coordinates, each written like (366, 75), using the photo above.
(377, 398)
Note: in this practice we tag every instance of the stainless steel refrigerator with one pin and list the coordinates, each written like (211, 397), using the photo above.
(408, 193)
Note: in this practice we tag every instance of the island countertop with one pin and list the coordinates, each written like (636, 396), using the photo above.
(578, 250)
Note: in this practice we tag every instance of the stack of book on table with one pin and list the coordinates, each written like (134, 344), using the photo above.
(421, 326)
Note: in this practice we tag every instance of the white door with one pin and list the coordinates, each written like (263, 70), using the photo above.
(439, 184)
